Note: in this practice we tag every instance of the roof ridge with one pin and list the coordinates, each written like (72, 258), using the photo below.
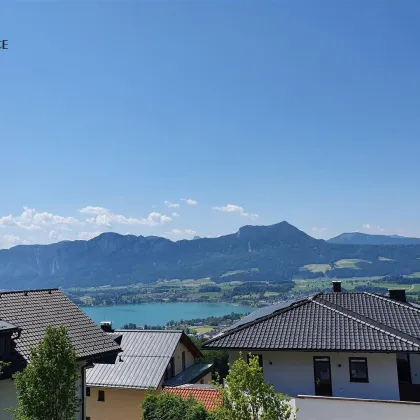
(395, 302)
(141, 355)
(8, 292)
(157, 331)
(293, 305)
(368, 322)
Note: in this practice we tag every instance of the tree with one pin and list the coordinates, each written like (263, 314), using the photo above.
(47, 388)
(165, 406)
(247, 396)
(2, 366)
(218, 358)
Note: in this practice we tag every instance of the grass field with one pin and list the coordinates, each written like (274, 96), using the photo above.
(350, 263)
(202, 330)
(316, 268)
(322, 283)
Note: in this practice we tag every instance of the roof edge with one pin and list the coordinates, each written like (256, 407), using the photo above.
(141, 331)
(8, 292)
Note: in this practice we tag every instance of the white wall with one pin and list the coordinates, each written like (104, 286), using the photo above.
(320, 408)
(189, 358)
(415, 368)
(7, 398)
(292, 373)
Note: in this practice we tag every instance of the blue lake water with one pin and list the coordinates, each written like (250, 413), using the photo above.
(160, 313)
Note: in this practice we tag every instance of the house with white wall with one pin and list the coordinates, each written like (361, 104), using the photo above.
(24, 318)
(339, 344)
(151, 360)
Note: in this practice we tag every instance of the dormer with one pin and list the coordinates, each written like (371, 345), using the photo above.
(8, 333)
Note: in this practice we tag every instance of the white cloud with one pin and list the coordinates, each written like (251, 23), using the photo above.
(30, 219)
(374, 229)
(190, 201)
(319, 230)
(175, 215)
(232, 208)
(170, 205)
(106, 218)
(177, 234)
(85, 236)
(7, 241)
(94, 210)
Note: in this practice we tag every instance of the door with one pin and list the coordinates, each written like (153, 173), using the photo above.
(183, 361)
(322, 376)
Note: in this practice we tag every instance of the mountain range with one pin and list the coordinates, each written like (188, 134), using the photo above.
(273, 253)
(357, 238)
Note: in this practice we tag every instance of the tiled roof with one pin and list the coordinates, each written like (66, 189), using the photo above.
(33, 311)
(208, 396)
(330, 321)
(146, 354)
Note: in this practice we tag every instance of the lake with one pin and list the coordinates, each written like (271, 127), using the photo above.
(160, 313)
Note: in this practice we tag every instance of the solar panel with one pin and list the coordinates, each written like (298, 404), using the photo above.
(261, 312)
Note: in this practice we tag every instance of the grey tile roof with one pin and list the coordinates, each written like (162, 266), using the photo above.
(330, 321)
(146, 354)
(190, 375)
(34, 310)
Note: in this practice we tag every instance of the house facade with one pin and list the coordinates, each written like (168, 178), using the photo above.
(347, 345)
(150, 360)
(24, 318)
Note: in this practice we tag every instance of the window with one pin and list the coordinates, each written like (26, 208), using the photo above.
(358, 369)
(170, 369)
(87, 391)
(260, 359)
(101, 395)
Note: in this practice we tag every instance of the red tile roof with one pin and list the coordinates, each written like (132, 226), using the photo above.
(209, 397)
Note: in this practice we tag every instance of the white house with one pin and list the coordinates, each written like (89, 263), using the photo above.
(347, 345)
(24, 317)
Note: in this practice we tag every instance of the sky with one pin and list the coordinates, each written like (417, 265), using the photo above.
(184, 118)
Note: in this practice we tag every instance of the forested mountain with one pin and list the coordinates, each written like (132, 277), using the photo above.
(273, 253)
(357, 238)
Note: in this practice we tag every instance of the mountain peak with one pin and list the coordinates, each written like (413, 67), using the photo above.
(282, 230)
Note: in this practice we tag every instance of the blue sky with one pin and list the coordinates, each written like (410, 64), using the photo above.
(256, 111)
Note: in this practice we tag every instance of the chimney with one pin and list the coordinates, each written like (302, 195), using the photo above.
(336, 286)
(107, 326)
(397, 294)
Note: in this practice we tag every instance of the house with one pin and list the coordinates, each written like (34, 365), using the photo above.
(346, 345)
(208, 395)
(24, 317)
(150, 360)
